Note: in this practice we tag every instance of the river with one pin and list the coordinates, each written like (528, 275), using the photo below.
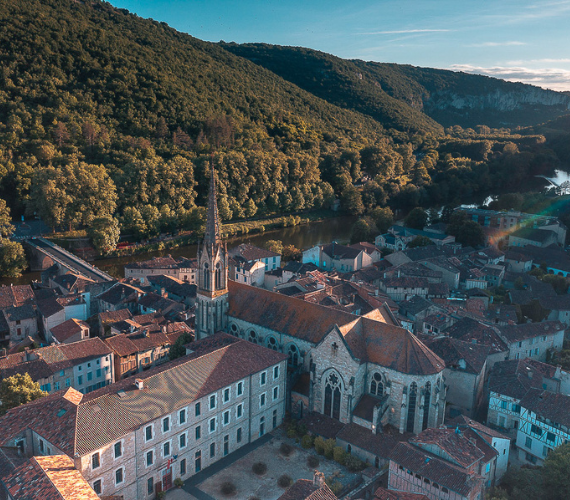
(302, 236)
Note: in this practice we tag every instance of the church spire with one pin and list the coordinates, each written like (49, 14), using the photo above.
(212, 235)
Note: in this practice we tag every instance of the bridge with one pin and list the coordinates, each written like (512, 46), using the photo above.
(45, 254)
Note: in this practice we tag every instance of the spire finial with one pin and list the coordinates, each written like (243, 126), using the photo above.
(212, 234)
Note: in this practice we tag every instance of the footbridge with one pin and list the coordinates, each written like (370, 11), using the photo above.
(45, 254)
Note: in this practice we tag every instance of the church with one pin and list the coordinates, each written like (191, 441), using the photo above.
(357, 369)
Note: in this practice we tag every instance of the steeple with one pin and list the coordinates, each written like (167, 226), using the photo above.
(212, 235)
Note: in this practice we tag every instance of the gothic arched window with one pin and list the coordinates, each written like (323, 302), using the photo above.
(272, 343)
(206, 276)
(252, 336)
(219, 284)
(293, 353)
(333, 396)
(412, 400)
(427, 401)
(234, 330)
(376, 385)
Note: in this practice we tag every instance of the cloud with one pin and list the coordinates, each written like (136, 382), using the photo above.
(549, 78)
(538, 61)
(497, 44)
(400, 32)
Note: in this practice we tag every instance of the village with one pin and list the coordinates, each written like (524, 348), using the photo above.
(421, 372)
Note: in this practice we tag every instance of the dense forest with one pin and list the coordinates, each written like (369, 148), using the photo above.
(106, 117)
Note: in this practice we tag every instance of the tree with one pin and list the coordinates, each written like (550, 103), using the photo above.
(555, 473)
(351, 201)
(132, 223)
(18, 390)
(470, 234)
(416, 219)
(274, 245)
(177, 350)
(12, 259)
(291, 252)
(362, 230)
(104, 233)
(420, 241)
(6, 227)
(383, 218)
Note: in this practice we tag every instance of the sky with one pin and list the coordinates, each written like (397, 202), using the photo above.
(522, 40)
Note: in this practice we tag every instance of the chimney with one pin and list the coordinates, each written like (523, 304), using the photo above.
(163, 292)
(163, 328)
(139, 383)
(318, 479)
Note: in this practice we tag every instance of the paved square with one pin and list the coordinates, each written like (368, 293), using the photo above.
(265, 487)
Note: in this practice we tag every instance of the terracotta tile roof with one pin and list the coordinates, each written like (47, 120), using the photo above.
(365, 407)
(515, 377)
(440, 471)
(470, 330)
(120, 292)
(49, 478)
(167, 262)
(36, 368)
(109, 317)
(284, 314)
(455, 446)
(384, 494)
(73, 282)
(415, 305)
(391, 346)
(478, 427)
(68, 328)
(304, 489)
(173, 285)
(18, 313)
(104, 415)
(406, 282)
(546, 404)
(515, 333)
(381, 444)
(452, 351)
(156, 302)
(250, 252)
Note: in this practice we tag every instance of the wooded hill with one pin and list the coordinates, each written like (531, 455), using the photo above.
(103, 113)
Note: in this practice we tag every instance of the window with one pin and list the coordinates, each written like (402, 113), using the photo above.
(56, 386)
(89, 376)
(226, 444)
(238, 435)
(545, 450)
(149, 486)
(226, 395)
(212, 450)
(182, 466)
(67, 382)
(212, 425)
(226, 417)
(97, 487)
(262, 400)
(148, 433)
(263, 378)
(516, 408)
(528, 442)
(240, 388)
(95, 462)
(119, 476)
(274, 419)
(504, 405)
(488, 468)
(149, 458)
(536, 430)
(198, 433)
(275, 393)
(182, 416)
(80, 379)
(275, 372)
(239, 410)
(182, 441)
(197, 409)
(41, 446)
(212, 401)
(118, 449)
(165, 424)
(376, 385)
(550, 436)
(444, 489)
(198, 461)
(261, 426)
(166, 449)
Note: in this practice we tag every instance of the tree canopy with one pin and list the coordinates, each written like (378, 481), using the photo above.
(18, 390)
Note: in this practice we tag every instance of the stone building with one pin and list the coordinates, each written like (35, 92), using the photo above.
(135, 437)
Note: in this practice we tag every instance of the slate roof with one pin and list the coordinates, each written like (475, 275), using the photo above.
(156, 302)
(102, 416)
(167, 262)
(553, 406)
(470, 330)
(299, 267)
(516, 333)
(73, 282)
(515, 377)
(539, 235)
(406, 282)
(19, 313)
(415, 305)
(452, 442)
(452, 351)
(119, 293)
(16, 365)
(381, 444)
(15, 295)
(440, 471)
(384, 494)
(49, 478)
(173, 285)
(304, 489)
(250, 252)
(483, 430)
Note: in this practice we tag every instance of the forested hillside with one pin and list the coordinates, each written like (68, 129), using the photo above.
(105, 114)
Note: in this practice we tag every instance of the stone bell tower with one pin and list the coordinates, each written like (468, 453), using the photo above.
(212, 294)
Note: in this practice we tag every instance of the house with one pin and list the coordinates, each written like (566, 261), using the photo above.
(399, 237)
(509, 382)
(494, 274)
(107, 318)
(72, 330)
(465, 371)
(337, 257)
(250, 253)
(135, 437)
(55, 310)
(544, 424)
(438, 463)
(120, 296)
(173, 289)
(416, 309)
(528, 236)
(27, 362)
(306, 489)
(532, 340)
(404, 288)
(154, 303)
(372, 250)
(21, 322)
(45, 477)
(384, 494)
(75, 284)
(518, 262)
(450, 272)
(251, 273)
(144, 348)
(181, 268)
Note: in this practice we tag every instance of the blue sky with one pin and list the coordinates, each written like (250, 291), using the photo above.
(523, 40)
